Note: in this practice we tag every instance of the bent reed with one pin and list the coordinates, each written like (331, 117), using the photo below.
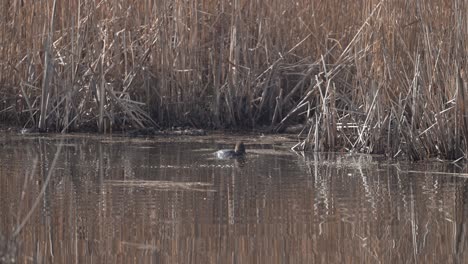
(372, 76)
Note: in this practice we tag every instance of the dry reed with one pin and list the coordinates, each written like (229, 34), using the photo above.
(373, 76)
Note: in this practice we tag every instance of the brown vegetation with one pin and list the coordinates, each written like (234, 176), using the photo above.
(374, 76)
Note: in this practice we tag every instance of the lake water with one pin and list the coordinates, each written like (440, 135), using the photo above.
(168, 200)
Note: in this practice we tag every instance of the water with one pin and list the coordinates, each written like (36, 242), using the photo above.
(168, 200)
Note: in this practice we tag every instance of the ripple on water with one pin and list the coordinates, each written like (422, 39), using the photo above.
(172, 200)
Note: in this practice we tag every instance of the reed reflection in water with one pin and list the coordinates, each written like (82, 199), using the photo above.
(125, 201)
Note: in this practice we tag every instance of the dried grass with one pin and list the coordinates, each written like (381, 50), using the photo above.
(393, 70)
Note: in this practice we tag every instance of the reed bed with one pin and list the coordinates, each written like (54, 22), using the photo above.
(371, 76)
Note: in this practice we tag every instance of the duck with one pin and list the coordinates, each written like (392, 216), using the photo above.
(238, 152)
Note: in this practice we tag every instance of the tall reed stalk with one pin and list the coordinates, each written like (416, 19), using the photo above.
(375, 76)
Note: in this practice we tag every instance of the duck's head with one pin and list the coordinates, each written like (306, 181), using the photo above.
(240, 148)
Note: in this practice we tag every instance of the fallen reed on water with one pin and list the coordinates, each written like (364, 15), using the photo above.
(372, 76)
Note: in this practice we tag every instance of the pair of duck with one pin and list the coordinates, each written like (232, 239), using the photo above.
(237, 152)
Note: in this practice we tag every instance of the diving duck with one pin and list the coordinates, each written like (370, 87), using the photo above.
(238, 152)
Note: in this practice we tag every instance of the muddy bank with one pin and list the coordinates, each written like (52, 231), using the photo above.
(154, 132)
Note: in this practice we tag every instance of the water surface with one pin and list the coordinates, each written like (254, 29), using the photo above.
(168, 200)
